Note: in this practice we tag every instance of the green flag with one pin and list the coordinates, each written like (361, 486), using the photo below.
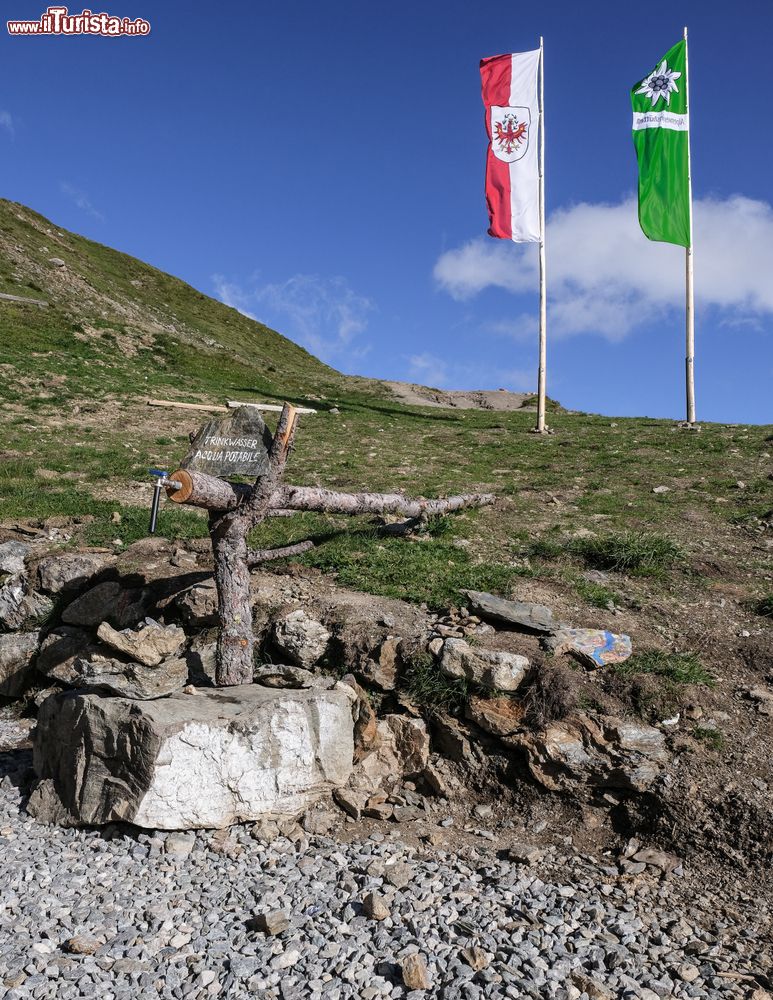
(661, 135)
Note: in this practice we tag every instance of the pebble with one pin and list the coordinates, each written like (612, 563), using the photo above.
(415, 973)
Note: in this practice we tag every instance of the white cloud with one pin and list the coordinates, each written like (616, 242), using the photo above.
(606, 277)
(6, 122)
(323, 314)
(232, 294)
(81, 200)
(440, 373)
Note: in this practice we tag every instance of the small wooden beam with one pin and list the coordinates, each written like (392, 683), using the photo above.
(186, 406)
(234, 404)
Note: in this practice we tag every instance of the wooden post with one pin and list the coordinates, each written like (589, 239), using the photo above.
(541, 427)
(689, 277)
(228, 532)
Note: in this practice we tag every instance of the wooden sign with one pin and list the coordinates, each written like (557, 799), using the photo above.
(236, 445)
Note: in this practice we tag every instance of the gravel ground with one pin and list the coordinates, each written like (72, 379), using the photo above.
(168, 915)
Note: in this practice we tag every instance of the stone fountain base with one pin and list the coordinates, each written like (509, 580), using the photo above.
(203, 760)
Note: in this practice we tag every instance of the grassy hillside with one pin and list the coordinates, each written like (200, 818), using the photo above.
(78, 440)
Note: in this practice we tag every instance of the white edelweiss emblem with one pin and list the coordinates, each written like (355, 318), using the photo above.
(660, 83)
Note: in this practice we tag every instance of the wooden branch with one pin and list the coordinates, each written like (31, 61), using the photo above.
(201, 490)
(313, 498)
(255, 556)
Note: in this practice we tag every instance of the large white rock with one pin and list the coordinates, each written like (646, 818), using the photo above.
(207, 760)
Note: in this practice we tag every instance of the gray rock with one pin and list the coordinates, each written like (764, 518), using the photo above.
(272, 922)
(516, 614)
(129, 680)
(494, 669)
(12, 557)
(276, 675)
(201, 658)
(224, 756)
(60, 649)
(67, 573)
(301, 638)
(107, 601)
(150, 645)
(17, 653)
(580, 751)
(198, 606)
(12, 594)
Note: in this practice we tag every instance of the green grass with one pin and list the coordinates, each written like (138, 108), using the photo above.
(711, 737)
(679, 668)
(71, 405)
(595, 594)
(430, 689)
(638, 552)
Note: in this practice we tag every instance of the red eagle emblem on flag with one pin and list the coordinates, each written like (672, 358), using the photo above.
(510, 132)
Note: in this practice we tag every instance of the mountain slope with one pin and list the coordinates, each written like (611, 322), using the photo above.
(115, 324)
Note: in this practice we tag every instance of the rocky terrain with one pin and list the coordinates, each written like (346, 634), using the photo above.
(522, 752)
(499, 839)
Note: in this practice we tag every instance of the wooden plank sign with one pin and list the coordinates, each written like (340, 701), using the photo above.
(236, 445)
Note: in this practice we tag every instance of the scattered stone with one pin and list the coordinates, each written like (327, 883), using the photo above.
(415, 973)
(130, 680)
(351, 801)
(498, 716)
(59, 651)
(374, 907)
(12, 557)
(67, 573)
(525, 854)
(81, 945)
(301, 638)
(688, 973)
(591, 987)
(150, 645)
(17, 653)
(107, 601)
(198, 606)
(494, 669)
(12, 594)
(276, 675)
(383, 667)
(226, 756)
(662, 489)
(592, 647)
(476, 958)
(657, 859)
(272, 922)
(179, 845)
(201, 658)
(606, 753)
(517, 614)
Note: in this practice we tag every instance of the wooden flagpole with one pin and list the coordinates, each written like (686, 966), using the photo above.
(541, 427)
(689, 290)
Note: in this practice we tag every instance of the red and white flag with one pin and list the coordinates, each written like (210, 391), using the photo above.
(509, 85)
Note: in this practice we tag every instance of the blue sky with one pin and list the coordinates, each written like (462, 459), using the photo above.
(320, 166)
